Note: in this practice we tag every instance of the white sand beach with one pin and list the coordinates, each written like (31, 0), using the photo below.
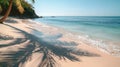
(24, 43)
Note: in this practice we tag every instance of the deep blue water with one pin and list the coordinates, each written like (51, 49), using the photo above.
(105, 28)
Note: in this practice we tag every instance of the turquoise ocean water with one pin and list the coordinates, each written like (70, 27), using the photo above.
(105, 29)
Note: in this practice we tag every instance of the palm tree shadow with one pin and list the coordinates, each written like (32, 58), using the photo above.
(49, 46)
(14, 42)
(5, 37)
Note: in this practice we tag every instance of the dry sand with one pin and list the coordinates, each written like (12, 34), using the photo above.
(24, 43)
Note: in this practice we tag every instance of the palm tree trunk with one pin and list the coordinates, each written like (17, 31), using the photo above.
(7, 12)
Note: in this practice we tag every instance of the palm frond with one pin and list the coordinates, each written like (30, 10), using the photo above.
(0, 9)
(33, 1)
(19, 6)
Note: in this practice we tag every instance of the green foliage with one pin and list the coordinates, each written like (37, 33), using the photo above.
(20, 8)
(4, 2)
(0, 9)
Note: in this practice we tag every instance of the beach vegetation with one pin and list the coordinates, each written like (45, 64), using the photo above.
(17, 8)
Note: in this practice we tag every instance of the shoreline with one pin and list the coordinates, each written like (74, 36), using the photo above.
(89, 56)
(100, 45)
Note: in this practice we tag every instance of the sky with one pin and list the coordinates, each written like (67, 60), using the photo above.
(77, 7)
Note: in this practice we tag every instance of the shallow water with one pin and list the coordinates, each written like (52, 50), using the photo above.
(101, 31)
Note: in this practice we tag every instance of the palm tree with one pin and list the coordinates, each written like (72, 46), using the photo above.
(19, 6)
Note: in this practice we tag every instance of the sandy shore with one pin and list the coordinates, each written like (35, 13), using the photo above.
(24, 43)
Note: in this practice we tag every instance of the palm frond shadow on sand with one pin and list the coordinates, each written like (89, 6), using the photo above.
(49, 46)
